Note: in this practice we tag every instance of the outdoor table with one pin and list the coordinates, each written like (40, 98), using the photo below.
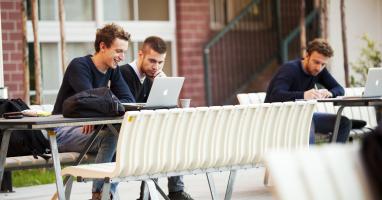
(343, 102)
(47, 125)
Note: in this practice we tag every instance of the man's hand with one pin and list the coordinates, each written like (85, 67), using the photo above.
(87, 129)
(159, 73)
(312, 94)
(325, 93)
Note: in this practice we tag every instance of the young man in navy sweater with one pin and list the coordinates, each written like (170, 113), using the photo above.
(94, 71)
(296, 79)
(139, 76)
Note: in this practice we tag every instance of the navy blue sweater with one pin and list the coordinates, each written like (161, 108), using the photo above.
(291, 81)
(81, 74)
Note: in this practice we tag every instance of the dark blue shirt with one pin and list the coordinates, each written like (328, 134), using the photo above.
(81, 74)
(291, 81)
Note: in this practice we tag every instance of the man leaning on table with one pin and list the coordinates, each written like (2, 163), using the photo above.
(94, 71)
(139, 76)
(297, 79)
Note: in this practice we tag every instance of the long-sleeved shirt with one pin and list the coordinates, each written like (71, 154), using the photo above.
(81, 74)
(291, 81)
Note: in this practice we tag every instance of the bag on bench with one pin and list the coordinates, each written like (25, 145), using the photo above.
(22, 142)
(96, 102)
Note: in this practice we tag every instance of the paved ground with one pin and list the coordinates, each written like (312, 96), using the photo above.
(248, 186)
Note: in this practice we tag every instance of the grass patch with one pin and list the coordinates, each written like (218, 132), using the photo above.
(23, 178)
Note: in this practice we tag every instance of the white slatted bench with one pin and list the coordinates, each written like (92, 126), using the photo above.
(366, 113)
(173, 142)
(328, 172)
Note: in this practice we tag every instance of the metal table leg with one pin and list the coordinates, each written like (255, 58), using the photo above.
(211, 184)
(56, 163)
(337, 124)
(3, 152)
(231, 181)
(152, 189)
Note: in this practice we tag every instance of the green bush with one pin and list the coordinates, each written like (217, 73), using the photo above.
(370, 57)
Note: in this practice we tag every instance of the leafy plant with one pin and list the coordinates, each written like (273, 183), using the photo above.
(370, 57)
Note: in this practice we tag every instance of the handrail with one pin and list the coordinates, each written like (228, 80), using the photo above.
(293, 34)
(214, 40)
(235, 56)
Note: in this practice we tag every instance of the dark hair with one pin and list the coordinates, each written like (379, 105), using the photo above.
(108, 34)
(155, 43)
(371, 153)
(321, 46)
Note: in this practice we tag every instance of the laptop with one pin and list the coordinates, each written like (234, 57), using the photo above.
(164, 93)
(373, 86)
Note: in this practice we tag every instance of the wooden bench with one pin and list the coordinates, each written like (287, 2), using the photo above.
(365, 113)
(174, 142)
(29, 162)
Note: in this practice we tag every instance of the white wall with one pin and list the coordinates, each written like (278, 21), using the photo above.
(361, 17)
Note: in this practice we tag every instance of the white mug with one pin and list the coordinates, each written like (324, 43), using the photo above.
(185, 103)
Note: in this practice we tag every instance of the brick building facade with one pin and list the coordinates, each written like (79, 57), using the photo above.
(11, 24)
(192, 33)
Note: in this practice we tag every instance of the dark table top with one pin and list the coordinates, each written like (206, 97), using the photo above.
(54, 121)
(354, 101)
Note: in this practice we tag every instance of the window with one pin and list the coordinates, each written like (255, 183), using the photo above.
(75, 10)
(223, 11)
(148, 10)
(153, 10)
(124, 10)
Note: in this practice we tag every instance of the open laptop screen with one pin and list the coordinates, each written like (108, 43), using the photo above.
(164, 93)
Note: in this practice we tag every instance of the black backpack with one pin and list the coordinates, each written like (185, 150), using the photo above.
(13, 105)
(97, 102)
(22, 142)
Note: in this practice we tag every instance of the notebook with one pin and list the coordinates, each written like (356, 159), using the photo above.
(164, 93)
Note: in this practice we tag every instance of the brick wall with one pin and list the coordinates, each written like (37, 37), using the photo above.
(192, 33)
(11, 24)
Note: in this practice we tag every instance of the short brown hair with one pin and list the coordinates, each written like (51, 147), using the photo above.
(321, 46)
(108, 34)
(155, 43)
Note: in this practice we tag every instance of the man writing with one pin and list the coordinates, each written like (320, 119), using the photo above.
(139, 76)
(297, 79)
(88, 72)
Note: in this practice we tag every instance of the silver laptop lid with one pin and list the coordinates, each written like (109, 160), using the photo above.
(373, 85)
(165, 92)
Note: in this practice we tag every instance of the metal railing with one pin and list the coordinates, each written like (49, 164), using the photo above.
(237, 52)
(290, 46)
(236, 55)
